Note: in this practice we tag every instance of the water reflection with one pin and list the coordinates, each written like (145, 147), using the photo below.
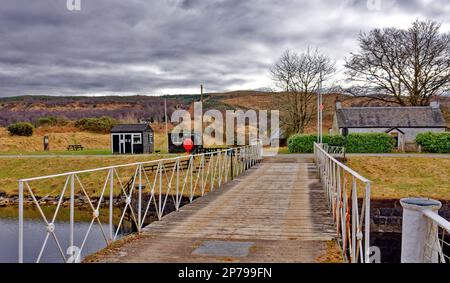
(35, 232)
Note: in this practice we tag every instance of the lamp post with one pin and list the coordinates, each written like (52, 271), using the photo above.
(320, 111)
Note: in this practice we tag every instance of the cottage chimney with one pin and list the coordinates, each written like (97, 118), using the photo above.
(435, 104)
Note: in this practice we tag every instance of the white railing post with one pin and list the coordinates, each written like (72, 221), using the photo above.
(140, 197)
(177, 202)
(20, 222)
(111, 204)
(367, 223)
(160, 212)
(72, 210)
(416, 234)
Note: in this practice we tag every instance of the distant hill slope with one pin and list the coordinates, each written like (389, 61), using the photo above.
(151, 108)
(130, 108)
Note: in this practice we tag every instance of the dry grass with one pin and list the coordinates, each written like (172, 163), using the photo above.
(333, 254)
(12, 169)
(400, 177)
(93, 183)
(61, 137)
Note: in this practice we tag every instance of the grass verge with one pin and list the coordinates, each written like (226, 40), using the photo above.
(400, 177)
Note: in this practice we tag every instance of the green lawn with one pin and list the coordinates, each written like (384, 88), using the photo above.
(400, 177)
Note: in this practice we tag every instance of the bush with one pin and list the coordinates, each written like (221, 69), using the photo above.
(434, 142)
(21, 129)
(47, 121)
(96, 125)
(357, 143)
(370, 143)
(305, 143)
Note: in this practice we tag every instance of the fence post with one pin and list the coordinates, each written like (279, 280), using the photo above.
(415, 230)
(20, 222)
(111, 205)
(72, 211)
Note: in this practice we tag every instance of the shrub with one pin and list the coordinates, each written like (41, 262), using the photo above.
(305, 143)
(96, 125)
(357, 143)
(47, 121)
(21, 129)
(434, 142)
(370, 143)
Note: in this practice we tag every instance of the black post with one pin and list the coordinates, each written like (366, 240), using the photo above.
(232, 172)
(345, 133)
(46, 143)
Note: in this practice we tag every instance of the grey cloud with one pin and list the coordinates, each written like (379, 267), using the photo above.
(142, 46)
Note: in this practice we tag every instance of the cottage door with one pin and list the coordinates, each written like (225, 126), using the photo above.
(122, 144)
(128, 144)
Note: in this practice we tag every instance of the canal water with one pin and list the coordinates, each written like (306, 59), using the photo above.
(35, 233)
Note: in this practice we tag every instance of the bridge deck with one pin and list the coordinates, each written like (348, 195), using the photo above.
(276, 212)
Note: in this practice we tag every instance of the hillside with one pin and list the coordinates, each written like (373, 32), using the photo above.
(127, 109)
(151, 108)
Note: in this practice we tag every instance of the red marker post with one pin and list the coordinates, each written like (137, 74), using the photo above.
(188, 145)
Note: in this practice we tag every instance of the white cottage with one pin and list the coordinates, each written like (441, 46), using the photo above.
(403, 123)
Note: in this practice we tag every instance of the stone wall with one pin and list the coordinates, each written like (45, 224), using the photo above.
(386, 227)
(386, 215)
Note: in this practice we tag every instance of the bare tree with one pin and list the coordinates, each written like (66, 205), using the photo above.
(299, 77)
(406, 67)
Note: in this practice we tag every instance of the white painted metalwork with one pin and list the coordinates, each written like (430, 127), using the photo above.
(145, 187)
(437, 246)
(334, 150)
(349, 199)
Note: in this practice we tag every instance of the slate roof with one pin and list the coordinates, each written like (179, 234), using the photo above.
(130, 128)
(390, 117)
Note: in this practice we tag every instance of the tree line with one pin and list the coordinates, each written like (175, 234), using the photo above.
(407, 67)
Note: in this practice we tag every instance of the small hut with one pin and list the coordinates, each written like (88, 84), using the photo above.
(132, 139)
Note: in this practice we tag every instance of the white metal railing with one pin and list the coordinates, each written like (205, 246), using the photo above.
(145, 186)
(344, 189)
(437, 246)
(334, 150)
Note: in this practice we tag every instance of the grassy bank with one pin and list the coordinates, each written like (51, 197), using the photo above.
(61, 137)
(58, 152)
(399, 177)
(12, 169)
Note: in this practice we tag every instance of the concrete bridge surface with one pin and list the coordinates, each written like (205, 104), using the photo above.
(275, 212)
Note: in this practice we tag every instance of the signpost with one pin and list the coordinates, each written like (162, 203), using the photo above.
(188, 145)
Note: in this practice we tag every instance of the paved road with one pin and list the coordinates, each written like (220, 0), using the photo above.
(276, 212)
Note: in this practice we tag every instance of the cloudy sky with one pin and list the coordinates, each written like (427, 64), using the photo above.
(171, 46)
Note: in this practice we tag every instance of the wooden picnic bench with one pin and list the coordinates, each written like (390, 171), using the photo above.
(75, 147)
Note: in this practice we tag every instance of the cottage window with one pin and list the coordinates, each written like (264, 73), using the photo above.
(137, 139)
(177, 139)
(150, 138)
